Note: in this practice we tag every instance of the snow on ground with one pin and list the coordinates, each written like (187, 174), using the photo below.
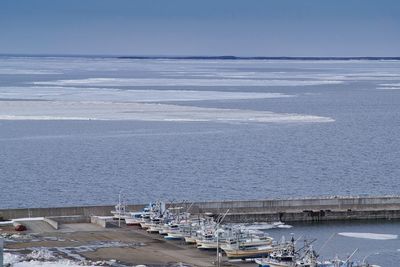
(39, 258)
(29, 219)
(47, 264)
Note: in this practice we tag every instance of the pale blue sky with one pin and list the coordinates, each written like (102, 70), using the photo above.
(202, 27)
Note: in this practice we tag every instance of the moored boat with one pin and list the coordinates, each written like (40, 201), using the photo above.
(249, 252)
(135, 218)
(174, 235)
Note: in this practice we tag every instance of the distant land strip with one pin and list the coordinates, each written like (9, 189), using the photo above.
(205, 57)
(258, 58)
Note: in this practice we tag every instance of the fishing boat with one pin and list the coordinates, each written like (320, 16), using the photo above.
(249, 252)
(190, 239)
(178, 235)
(153, 216)
(135, 218)
(154, 229)
(247, 241)
(288, 257)
(120, 212)
(208, 244)
(205, 240)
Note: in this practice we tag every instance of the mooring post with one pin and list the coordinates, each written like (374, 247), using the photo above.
(1, 251)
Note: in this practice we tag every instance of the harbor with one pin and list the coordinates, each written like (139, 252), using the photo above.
(187, 133)
(188, 234)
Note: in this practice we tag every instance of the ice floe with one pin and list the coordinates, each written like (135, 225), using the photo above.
(21, 71)
(109, 94)
(369, 235)
(389, 86)
(99, 110)
(259, 226)
(185, 82)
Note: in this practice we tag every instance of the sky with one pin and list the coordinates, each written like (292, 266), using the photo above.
(201, 27)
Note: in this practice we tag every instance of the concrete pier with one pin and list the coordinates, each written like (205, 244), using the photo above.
(286, 210)
(306, 209)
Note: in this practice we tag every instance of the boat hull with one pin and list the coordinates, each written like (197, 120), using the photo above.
(132, 222)
(190, 240)
(247, 253)
(274, 264)
(206, 245)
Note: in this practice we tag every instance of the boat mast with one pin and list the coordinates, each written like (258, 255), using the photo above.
(119, 209)
(1, 251)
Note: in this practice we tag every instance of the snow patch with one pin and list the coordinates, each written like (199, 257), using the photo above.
(29, 219)
(63, 263)
(9, 258)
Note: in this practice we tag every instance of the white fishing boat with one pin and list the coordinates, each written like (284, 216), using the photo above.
(249, 241)
(135, 218)
(155, 227)
(178, 235)
(205, 240)
(279, 258)
(145, 225)
(120, 212)
(190, 239)
(153, 217)
(249, 252)
(207, 244)
(288, 257)
(168, 228)
(152, 223)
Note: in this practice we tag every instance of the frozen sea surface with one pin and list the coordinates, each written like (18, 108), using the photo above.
(76, 131)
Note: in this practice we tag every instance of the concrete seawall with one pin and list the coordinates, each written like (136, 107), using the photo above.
(306, 209)
(289, 210)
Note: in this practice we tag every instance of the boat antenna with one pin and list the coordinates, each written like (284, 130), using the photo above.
(120, 206)
(171, 205)
(352, 254)
(223, 217)
(218, 232)
(326, 242)
(298, 239)
(187, 210)
(306, 245)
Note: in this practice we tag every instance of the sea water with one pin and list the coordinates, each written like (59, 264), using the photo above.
(77, 131)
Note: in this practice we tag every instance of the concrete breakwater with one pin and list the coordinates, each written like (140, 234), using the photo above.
(286, 210)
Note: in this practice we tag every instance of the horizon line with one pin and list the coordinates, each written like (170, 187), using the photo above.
(199, 57)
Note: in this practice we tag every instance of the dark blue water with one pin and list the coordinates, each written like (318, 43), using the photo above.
(69, 162)
(55, 163)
